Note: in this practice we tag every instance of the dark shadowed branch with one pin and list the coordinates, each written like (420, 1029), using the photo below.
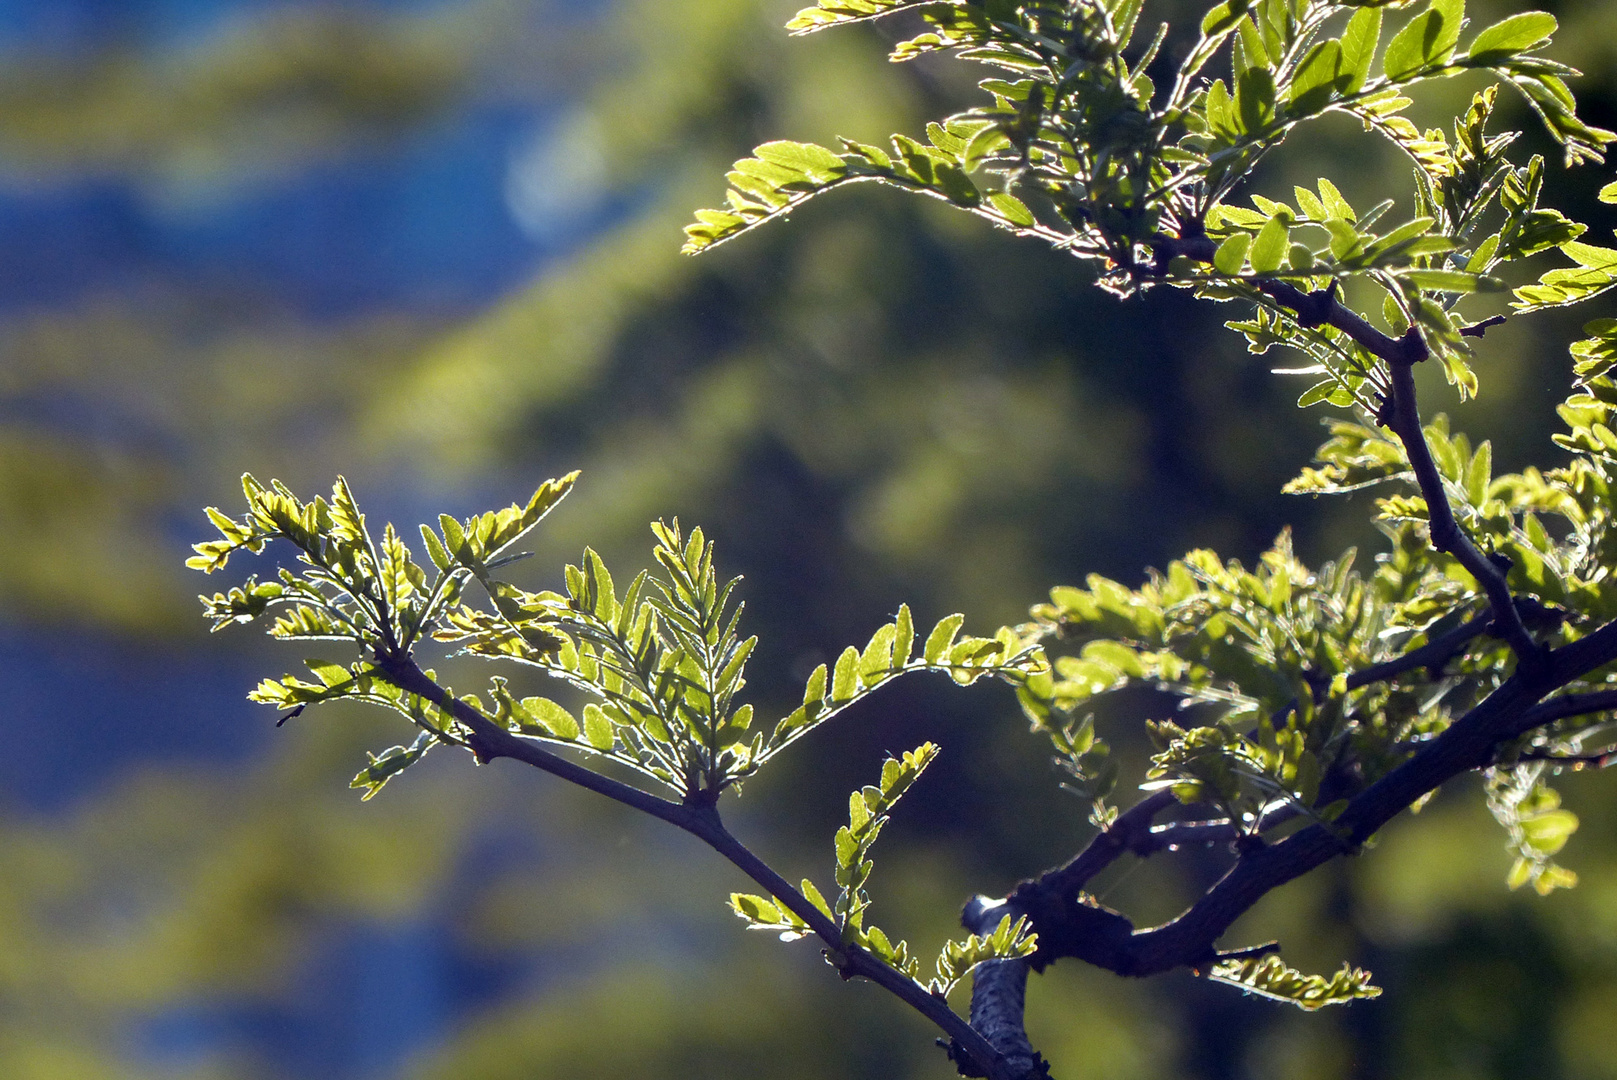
(1107, 939)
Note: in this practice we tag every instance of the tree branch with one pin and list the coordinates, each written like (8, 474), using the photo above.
(999, 995)
(1131, 830)
(1107, 939)
(1434, 654)
(1559, 708)
(488, 741)
(1403, 418)
(1401, 414)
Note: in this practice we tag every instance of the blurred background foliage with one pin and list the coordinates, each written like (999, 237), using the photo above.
(433, 246)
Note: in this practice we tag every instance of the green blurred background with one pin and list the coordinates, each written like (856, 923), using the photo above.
(433, 246)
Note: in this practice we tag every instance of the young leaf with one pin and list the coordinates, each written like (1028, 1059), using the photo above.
(1270, 977)
(389, 764)
(942, 637)
(1359, 41)
(1519, 33)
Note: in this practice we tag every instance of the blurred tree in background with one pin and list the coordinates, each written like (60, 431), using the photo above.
(219, 213)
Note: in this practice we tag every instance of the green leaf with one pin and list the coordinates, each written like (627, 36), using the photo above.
(1335, 205)
(597, 728)
(1548, 832)
(1315, 82)
(834, 12)
(1359, 42)
(602, 590)
(1450, 281)
(1317, 393)
(329, 674)
(1426, 40)
(876, 662)
(1269, 249)
(847, 847)
(1596, 273)
(541, 716)
(389, 764)
(1255, 99)
(768, 914)
(939, 642)
(815, 162)
(1230, 257)
(903, 636)
(1522, 32)
(845, 680)
(755, 908)
(1479, 474)
(1221, 112)
(812, 894)
(1270, 977)
(1223, 18)
(1007, 940)
(435, 549)
(1012, 209)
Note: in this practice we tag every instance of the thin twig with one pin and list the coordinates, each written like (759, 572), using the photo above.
(1577, 761)
(1434, 654)
(1558, 708)
(1445, 532)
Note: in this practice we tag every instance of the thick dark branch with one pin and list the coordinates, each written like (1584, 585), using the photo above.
(998, 995)
(1107, 939)
(488, 740)
(1131, 830)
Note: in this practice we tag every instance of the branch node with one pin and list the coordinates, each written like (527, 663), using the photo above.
(1317, 312)
(1413, 346)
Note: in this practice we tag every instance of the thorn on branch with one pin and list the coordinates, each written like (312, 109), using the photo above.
(1480, 328)
(295, 712)
(1386, 410)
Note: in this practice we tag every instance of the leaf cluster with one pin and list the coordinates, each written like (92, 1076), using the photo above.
(1265, 653)
(661, 665)
(1079, 148)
